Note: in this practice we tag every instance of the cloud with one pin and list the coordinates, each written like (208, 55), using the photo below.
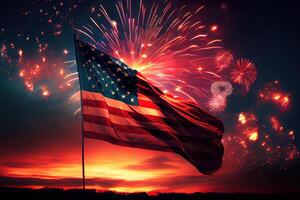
(155, 163)
(234, 182)
(60, 182)
(105, 183)
(22, 164)
(43, 162)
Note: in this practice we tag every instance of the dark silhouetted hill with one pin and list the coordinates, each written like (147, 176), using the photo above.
(57, 194)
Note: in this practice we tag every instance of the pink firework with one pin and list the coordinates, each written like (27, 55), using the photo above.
(217, 103)
(244, 73)
(223, 59)
(221, 88)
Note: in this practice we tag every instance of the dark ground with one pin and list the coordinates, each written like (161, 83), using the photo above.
(56, 194)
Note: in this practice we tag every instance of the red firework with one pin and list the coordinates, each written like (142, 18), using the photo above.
(223, 59)
(170, 46)
(273, 93)
(244, 73)
(276, 124)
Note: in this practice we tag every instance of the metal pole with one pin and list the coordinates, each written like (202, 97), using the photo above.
(82, 132)
(82, 145)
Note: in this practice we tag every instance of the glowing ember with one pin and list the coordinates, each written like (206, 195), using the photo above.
(21, 74)
(3, 50)
(281, 99)
(29, 86)
(253, 136)
(214, 28)
(242, 118)
(20, 52)
(45, 91)
(114, 23)
(66, 52)
(245, 118)
(291, 133)
(276, 124)
(293, 154)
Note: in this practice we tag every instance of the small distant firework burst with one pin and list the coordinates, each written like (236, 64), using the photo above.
(251, 137)
(217, 103)
(244, 118)
(221, 88)
(244, 73)
(276, 124)
(26, 52)
(248, 125)
(253, 134)
(220, 91)
(272, 93)
(223, 59)
(37, 74)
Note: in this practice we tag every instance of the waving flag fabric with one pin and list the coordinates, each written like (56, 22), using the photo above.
(120, 106)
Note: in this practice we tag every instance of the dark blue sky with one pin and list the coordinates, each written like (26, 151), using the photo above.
(267, 32)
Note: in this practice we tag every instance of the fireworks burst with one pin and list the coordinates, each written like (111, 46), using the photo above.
(168, 44)
(220, 91)
(221, 88)
(26, 52)
(156, 41)
(246, 118)
(252, 136)
(223, 59)
(217, 103)
(244, 73)
(273, 93)
(248, 126)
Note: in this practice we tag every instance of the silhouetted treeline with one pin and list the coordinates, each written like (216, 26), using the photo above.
(57, 194)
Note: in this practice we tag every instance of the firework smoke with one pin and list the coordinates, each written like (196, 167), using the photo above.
(221, 88)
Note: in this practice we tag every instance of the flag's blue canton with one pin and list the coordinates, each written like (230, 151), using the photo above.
(104, 74)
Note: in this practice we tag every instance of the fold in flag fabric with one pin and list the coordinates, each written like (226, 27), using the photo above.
(120, 106)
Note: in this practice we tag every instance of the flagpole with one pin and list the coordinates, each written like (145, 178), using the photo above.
(82, 145)
(82, 132)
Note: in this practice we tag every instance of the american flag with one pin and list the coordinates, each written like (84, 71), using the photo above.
(120, 106)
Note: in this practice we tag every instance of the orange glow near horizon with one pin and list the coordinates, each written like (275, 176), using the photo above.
(114, 168)
(104, 161)
(128, 169)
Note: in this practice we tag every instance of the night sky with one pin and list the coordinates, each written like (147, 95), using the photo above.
(40, 136)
